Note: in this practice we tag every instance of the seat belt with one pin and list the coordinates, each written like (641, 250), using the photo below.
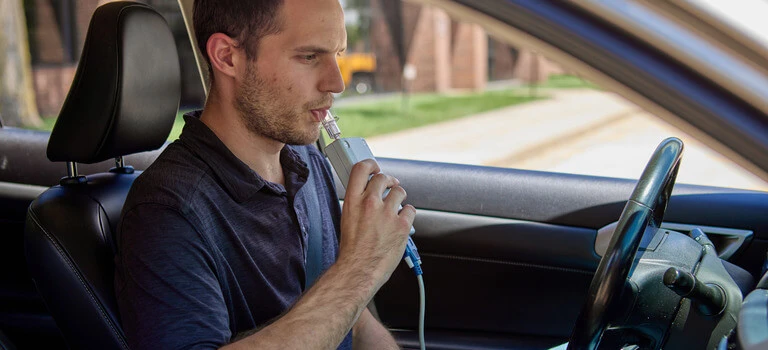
(314, 263)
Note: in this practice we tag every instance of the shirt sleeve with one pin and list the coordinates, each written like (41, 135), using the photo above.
(166, 285)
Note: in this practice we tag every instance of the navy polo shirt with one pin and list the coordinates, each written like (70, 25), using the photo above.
(208, 249)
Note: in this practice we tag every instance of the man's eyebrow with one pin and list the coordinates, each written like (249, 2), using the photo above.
(316, 49)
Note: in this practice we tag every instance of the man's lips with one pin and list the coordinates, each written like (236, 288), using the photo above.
(318, 114)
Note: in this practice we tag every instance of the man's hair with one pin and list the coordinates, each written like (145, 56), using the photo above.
(246, 21)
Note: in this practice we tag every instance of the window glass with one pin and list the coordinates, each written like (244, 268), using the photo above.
(444, 90)
(420, 85)
(53, 33)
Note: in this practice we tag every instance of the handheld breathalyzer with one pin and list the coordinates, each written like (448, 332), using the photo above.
(344, 153)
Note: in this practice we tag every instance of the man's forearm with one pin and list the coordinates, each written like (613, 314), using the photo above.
(369, 333)
(322, 317)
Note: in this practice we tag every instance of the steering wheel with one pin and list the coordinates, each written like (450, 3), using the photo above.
(644, 211)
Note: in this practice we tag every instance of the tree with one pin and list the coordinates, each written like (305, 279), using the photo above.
(358, 32)
(17, 96)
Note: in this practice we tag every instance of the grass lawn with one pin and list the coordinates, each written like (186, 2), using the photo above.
(565, 81)
(389, 115)
(370, 118)
(48, 123)
(386, 115)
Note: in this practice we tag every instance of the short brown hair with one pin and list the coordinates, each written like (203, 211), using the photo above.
(246, 21)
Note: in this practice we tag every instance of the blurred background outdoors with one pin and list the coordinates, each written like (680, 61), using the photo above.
(420, 85)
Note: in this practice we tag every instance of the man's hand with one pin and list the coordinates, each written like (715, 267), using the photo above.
(373, 237)
(373, 232)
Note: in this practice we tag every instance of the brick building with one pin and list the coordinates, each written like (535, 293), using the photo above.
(57, 30)
(446, 54)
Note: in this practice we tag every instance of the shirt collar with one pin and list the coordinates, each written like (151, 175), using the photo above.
(239, 180)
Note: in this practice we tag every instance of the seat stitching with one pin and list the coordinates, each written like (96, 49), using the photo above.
(79, 277)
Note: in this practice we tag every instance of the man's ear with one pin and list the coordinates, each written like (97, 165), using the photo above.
(223, 53)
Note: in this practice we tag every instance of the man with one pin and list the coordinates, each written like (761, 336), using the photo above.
(213, 235)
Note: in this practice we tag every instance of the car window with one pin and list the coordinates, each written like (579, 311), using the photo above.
(444, 90)
(420, 85)
(42, 50)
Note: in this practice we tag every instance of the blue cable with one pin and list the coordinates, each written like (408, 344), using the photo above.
(412, 257)
(413, 260)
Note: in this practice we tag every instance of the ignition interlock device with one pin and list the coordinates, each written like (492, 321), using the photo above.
(344, 153)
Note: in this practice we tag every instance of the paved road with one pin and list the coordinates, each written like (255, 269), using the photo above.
(576, 131)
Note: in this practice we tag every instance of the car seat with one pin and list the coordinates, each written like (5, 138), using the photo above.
(123, 100)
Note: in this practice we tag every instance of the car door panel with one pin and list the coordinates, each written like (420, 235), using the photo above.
(500, 238)
(480, 271)
(512, 252)
(574, 200)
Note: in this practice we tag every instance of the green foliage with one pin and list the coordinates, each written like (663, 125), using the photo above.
(177, 126)
(354, 34)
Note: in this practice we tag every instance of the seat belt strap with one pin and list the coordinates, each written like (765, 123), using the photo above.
(314, 262)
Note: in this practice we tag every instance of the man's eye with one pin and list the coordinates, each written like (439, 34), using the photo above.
(309, 57)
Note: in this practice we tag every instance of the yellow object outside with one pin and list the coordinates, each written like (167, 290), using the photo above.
(357, 70)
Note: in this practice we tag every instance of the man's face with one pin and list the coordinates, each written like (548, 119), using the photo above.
(286, 91)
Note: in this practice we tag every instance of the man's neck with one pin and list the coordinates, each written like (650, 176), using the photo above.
(260, 153)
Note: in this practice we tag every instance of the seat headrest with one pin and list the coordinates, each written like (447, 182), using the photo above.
(126, 90)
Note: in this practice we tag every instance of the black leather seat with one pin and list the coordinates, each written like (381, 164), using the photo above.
(123, 100)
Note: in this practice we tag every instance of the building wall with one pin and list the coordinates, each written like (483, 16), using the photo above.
(501, 60)
(46, 30)
(51, 86)
(53, 68)
(429, 52)
(388, 67)
(445, 54)
(54, 71)
(469, 57)
(533, 67)
(448, 54)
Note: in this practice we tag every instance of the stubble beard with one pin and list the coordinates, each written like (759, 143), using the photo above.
(266, 113)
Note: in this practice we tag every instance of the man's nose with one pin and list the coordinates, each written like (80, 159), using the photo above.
(332, 80)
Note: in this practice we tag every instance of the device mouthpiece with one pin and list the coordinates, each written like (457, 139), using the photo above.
(329, 123)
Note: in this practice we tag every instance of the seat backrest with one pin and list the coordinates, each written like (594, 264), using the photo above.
(123, 100)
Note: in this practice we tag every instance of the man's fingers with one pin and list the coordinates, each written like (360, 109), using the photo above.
(409, 213)
(358, 177)
(379, 183)
(395, 197)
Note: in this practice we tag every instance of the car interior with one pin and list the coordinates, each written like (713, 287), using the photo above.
(512, 259)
